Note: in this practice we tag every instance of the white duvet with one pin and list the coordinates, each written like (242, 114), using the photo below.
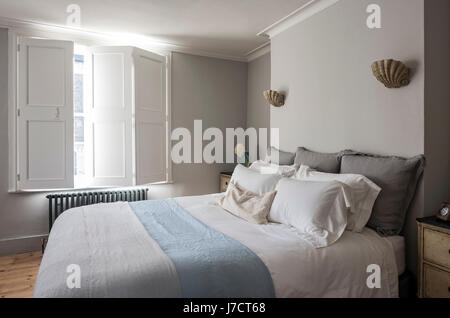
(297, 268)
(104, 240)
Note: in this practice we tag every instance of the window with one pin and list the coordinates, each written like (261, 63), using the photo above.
(79, 118)
(90, 116)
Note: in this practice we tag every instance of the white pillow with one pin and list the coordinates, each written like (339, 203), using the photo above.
(318, 210)
(271, 168)
(253, 181)
(363, 193)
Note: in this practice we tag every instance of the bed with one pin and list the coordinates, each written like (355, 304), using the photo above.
(118, 256)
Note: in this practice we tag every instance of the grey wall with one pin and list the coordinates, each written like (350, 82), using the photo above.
(333, 100)
(258, 111)
(202, 88)
(214, 91)
(437, 103)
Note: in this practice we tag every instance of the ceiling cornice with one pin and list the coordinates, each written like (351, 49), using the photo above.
(258, 52)
(304, 12)
(83, 35)
(35, 28)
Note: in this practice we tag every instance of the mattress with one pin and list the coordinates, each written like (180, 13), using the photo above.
(398, 245)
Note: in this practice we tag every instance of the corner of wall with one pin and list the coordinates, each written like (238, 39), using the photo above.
(437, 101)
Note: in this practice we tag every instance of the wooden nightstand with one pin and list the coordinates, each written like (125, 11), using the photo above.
(225, 178)
(434, 258)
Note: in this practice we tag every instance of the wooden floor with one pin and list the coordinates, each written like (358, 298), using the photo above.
(18, 274)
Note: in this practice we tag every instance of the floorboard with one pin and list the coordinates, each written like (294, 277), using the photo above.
(18, 274)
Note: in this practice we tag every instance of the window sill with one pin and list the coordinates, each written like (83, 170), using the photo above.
(86, 189)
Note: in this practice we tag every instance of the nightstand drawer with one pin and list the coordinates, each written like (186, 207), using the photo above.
(436, 282)
(224, 181)
(436, 247)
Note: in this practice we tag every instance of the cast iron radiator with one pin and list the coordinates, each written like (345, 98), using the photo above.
(62, 201)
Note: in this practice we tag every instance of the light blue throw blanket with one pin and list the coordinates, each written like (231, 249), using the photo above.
(208, 263)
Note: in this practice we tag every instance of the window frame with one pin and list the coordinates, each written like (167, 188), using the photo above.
(83, 50)
(79, 37)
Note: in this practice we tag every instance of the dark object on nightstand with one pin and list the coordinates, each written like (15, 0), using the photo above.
(444, 212)
(434, 258)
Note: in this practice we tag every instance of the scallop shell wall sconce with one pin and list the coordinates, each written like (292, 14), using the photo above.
(274, 98)
(393, 74)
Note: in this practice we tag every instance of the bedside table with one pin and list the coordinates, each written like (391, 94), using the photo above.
(225, 178)
(434, 258)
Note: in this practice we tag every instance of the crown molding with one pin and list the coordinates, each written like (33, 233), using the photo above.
(258, 52)
(304, 12)
(93, 37)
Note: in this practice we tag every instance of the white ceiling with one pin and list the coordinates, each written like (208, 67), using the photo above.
(218, 26)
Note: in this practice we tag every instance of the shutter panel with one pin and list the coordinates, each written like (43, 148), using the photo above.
(45, 122)
(111, 115)
(151, 122)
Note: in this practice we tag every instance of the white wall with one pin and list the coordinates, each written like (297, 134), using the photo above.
(258, 109)
(202, 88)
(333, 100)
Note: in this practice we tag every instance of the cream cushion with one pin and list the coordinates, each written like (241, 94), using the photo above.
(247, 205)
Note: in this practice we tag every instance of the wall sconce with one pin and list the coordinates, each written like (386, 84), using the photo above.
(393, 74)
(274, 98)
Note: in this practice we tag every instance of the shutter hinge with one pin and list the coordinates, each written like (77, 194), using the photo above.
(18, 177)
(18, 47)
(18, 112)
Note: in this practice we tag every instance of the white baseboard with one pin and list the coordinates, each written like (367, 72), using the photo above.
(21, 244)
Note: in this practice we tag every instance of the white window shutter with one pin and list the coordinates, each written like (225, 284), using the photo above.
(151, 117)
(111, 115)
(45, 114)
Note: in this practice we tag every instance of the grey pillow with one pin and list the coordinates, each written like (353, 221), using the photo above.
(397, 177)
(324, 162)
(284, 158)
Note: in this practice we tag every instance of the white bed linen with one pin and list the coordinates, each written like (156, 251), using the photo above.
(398, 244)
(254, 181)
(115, 254)
(318, 210)
(297, 268)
